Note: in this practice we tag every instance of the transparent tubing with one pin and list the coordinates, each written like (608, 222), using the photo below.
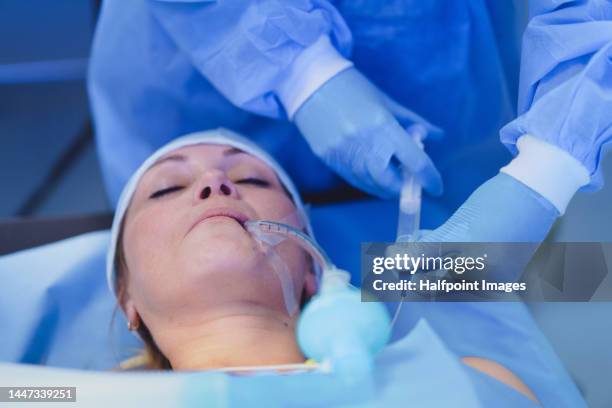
(327, 273)
(268, 243)
(410, 195)
(409, 218)
(271, 233)
(409, 208)
(295, 235)
(333, 281)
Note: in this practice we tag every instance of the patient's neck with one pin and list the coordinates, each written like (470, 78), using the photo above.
(235, 335)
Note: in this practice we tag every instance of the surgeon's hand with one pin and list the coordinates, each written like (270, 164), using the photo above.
(359, 132)
(502, 210)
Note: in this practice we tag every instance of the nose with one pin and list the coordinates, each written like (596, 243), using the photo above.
(214, 182)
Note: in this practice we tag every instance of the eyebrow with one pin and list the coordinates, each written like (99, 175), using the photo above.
(174, 157)
(181, 158)
(232, 151)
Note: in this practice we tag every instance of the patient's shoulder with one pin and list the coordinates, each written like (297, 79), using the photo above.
(500, 373)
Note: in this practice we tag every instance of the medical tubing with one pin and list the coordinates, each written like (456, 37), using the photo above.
(410, 194)
(409, 218)
(295, 235)
(284, 276)
(350, 351)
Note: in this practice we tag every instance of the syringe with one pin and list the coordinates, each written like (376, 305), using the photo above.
(410, 195)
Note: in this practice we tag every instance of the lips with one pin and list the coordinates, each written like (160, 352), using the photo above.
(221, 212)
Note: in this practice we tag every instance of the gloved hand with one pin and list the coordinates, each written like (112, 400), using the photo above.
(501, 210)
(357, 131)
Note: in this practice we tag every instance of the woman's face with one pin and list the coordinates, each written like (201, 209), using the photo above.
(186, 249)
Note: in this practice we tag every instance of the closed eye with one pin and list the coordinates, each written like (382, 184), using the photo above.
(165, 191)
(254, 181)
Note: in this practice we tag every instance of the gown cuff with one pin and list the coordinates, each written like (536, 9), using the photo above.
(548, 170)
(311, 69)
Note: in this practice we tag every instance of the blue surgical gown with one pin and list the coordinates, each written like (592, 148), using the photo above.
(565, 93)
(162, 68)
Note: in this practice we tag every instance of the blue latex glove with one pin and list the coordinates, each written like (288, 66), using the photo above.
(565, 93)
(501, 210)
(356, 130)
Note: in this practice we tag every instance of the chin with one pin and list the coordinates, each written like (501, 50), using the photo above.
(223, 248)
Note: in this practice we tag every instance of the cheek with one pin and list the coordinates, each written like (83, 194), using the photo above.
(148, 243)
(274, 206)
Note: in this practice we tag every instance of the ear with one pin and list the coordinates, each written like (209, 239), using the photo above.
(130, 311)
